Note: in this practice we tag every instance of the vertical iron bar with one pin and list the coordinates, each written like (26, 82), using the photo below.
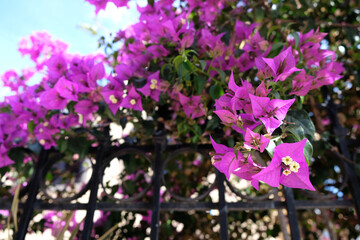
(292, 216)
(341, 133)
(33, 191)
(282, 217)
(160, 145)
(222, 207)
(95, 179)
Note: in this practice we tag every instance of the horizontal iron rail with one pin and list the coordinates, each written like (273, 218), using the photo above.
(187, 206)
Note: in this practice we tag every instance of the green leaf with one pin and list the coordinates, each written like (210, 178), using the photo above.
(183, 128)
(79, 145)
(299, 102)
(151, 2)
(213, 123)
(197, 129)
(308, 151)
(167, 72)
(5, 109)
(276, 94)
(177, 61)
(297, 131)
(190, 52)
(195, 139)
(188, 65)
(230, 142)
(275, 49)
(17, 155)
(184, 69)
(216, 91)
(273, 28)
(297, 38)
(258, 128)
(301, 118)
(203, 64)
(222, 74)
(49, 176)
(71, 106)
(31, 126)
(62, 145)
(199, 84)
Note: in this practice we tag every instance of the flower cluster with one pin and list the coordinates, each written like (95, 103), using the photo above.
(244, 112)
(174, 57)
(197, 68)
(101, 4)
(246, 109)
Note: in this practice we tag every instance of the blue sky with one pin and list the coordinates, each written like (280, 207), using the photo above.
(62, 19)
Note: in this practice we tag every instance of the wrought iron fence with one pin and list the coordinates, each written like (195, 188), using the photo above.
(159, 156)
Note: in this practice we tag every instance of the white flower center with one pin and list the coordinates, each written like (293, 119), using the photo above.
(287, 160)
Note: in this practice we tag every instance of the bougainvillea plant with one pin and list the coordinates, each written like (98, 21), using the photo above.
(197, 67)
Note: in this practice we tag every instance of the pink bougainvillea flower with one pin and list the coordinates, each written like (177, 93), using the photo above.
(60, 121)
(226, 117)
(270, 112)
(52, 100)
(123, 72)
(209, 42)
(101, 4)
(225, 159)
(287, 167)
(154, 86)
(132, 100)
(257, 46)
(248, 170)
(280, 67)
(12, 80)
(97, 72)
(187, 40)
(158, 51)
(240, 99)
(113, 99)
(312, 54)
(192, 106)
(120, 3)
(57, 67)
(243, 30)
(85, 109)
(238, 122)
(255, 140)
(18, 137)
(45, 139)
(262, 91)
(57, 63)
(311, 36)
(236, 97)
(39, 46)
(4, 158)
(301, 84)
(328, 75)
(67, 89)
